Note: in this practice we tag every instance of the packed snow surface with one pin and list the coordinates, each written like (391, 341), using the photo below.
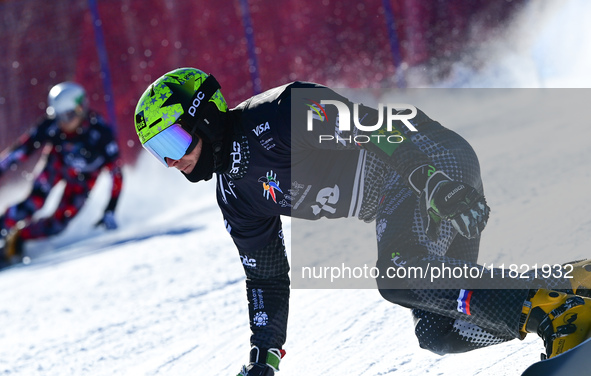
(164, 294)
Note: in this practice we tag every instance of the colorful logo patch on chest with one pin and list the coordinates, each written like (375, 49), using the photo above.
(270, 185)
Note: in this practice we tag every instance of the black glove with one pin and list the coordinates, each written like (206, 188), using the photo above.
(108, 221)
(443, 198)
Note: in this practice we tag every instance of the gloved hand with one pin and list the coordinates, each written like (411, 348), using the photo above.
(445, 199)
(5, 163)
(270, 357)
(108, 221)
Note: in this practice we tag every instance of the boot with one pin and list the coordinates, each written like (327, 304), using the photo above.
(12, 252)
(562, 320)
(262, 362)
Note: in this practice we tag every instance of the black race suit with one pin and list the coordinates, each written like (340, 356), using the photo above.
(279, 168)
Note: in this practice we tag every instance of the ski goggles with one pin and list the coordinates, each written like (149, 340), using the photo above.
(172, 143)
(68, 116)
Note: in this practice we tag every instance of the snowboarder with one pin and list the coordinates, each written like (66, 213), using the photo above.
(77, 145)
(424, 191)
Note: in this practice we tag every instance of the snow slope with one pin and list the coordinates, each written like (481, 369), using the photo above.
(164, 294)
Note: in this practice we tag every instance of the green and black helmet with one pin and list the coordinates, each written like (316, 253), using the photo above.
(172, 113)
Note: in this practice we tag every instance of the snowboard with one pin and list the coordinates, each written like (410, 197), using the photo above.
(576, 361)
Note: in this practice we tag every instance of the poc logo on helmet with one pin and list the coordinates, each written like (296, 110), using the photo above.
(196, 103)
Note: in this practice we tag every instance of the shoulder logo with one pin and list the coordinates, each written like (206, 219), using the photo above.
(261, 128)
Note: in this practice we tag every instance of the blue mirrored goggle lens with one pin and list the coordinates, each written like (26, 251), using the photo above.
(172, 143)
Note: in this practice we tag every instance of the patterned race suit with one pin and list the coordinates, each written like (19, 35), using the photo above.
(76, 158)
(278, 167)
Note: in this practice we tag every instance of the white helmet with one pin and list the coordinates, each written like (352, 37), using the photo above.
(64, 99)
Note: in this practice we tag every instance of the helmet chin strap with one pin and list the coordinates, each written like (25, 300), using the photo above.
(217, 147)
(204, 168)
(215, 157)
(213, 130)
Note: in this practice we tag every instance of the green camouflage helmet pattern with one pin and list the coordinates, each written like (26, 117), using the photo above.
(167, 99)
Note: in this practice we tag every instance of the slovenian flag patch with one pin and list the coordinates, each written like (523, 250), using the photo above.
(464, 301)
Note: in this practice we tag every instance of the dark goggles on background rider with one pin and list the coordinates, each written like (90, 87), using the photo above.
(68, 116)
(174, 142)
